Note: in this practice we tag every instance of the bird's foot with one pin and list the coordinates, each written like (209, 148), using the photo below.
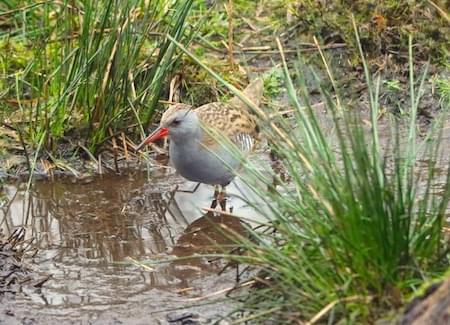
(213, 204)
(222, 201)
(219, 198)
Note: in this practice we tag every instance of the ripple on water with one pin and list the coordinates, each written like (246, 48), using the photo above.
(87, 233)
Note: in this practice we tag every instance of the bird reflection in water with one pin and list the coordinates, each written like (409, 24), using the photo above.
(87, 231)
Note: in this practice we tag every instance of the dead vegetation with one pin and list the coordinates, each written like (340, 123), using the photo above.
(14, 271)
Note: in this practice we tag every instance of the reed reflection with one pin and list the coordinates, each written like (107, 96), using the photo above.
(87, 232)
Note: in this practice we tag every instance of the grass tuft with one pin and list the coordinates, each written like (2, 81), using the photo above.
(359, 227)
(87, 66)
(359, 222)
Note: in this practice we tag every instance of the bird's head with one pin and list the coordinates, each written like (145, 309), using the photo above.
(178, 122)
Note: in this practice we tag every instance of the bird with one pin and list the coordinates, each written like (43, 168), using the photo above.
(194, 149)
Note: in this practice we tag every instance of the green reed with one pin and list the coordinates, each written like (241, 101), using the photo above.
(88, 66)
(359, 226)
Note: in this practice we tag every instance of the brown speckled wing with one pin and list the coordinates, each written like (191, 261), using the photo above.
(225, 119)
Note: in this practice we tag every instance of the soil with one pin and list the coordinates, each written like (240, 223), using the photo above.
(433, 307)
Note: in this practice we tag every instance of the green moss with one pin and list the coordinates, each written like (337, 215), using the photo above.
(273, 82)
(14, 58)
(443, 88)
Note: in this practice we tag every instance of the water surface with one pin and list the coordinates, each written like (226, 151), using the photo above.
(89, 233)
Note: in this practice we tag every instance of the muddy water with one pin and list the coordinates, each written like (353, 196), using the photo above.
(90, 232)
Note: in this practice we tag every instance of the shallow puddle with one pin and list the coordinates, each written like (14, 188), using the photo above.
(90, 236)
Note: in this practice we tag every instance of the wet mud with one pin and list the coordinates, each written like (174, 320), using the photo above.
(119, 250)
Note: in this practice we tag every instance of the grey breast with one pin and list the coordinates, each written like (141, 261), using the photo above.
(196, 163)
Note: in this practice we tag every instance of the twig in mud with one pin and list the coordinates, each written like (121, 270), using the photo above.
(42, 282)
(229, 10)
(235, 251)
(185, 318)
(440, 10)
(244, 40)
(219, 292)
(114, 145)
(100, 170)
(144, 266)
(255, 316)
(287, 34)
(98, 161)
(28, 243)
(270, 50)
(124, 145)
(132, 145)
(256, 49)
(157, 149)
(250, 24)
(184, 290)
(22, 143)
(60, 165)
(16, 237)
(330, 75)
(328, 307)
(8, 207)
(86, 150)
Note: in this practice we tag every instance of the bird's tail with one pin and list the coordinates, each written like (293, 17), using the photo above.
(253, 92)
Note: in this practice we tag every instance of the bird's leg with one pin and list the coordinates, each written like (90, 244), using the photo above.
(222, 198)
(188, 191)
(216, 195)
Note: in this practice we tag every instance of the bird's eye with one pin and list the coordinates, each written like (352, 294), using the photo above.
(176, 122)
